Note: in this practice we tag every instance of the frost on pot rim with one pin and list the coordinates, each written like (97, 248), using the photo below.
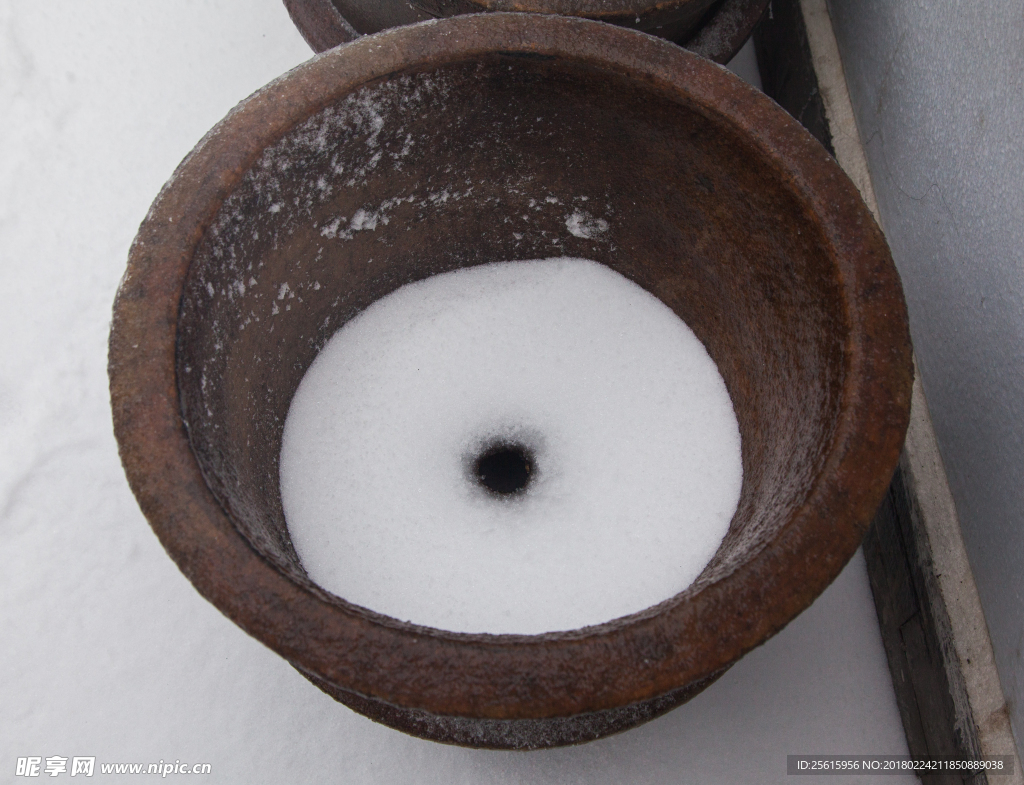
(401, 156)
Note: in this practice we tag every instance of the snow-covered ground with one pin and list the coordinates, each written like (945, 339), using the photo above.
(107, 650)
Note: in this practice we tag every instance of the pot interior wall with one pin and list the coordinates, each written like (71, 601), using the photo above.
(505, 158)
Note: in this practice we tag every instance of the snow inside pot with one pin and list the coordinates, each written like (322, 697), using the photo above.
(481, 139)
(715, 29)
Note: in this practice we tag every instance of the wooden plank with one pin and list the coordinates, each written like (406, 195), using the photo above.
(916, 632)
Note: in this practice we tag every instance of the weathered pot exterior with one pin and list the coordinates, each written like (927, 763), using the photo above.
(715, 29)
(715, 200)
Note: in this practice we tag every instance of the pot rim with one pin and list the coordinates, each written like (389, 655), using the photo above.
(725, 30)
(507, 676)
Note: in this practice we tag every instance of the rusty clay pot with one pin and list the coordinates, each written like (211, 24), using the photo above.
(715, 29)
(716, 201)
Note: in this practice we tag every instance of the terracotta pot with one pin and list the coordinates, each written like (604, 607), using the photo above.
(716, 201)
(715, 29)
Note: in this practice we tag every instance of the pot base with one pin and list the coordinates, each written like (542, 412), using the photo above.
(521, 734)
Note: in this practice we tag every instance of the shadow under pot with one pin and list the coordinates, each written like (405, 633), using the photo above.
(715, 29)
(709, 197)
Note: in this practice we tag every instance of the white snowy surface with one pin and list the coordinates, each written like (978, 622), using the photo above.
(107, 650)
(633, 440)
